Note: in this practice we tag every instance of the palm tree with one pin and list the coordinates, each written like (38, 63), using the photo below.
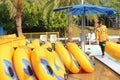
(16, 9)
(18, 16)
(70, 24)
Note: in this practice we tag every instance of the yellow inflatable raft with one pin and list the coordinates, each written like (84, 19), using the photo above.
(113, 49)
(6, 68)
(33, 44)
(30, 45)
(36, 43)
(68, 60)
(79, 55)
(41, 65)
(57, 59)
(22, 64)
(22, 42)
(46, 45)
(59, 62)
(55, 63)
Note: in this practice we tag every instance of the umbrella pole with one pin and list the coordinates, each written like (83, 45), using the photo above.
(83, 33)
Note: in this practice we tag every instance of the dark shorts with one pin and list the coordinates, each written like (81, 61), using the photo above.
(102, 43)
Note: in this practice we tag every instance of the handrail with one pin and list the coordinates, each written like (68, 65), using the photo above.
(37, 34)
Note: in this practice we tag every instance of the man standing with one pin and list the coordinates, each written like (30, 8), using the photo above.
(101, 35)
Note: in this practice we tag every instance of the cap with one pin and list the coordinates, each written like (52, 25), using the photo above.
(100, 20)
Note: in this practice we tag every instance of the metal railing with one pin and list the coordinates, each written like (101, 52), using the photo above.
(37, 35)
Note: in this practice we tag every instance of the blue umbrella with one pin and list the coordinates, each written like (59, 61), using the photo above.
(84, 9)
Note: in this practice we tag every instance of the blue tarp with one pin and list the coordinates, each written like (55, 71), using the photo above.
(1, 31)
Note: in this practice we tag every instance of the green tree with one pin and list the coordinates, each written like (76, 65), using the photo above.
(54, 21)
(30, 15)
(42, 14)
(16, 9)
(5, 19)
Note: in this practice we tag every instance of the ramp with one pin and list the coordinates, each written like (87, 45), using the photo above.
(109, 63)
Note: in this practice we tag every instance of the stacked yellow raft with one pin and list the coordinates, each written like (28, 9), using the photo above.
(46, 45)
(113, 49)
(46, 64)
(41, 65)
(54, 61)
(79, 55)
(42, 61)
(6, 68)
(34, 43)
(68, 60)
(22, 64)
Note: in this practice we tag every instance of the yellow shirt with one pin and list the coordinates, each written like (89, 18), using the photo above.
(101, 33)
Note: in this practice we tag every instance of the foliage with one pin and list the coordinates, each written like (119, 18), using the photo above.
(30, 16)
(5, 19)
(39, 13)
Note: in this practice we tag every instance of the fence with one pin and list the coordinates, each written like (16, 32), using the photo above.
(44, 36)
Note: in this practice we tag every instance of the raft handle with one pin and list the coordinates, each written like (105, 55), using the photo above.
(49, 49)
(10, 71)
(49, 69)
(30, 70)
